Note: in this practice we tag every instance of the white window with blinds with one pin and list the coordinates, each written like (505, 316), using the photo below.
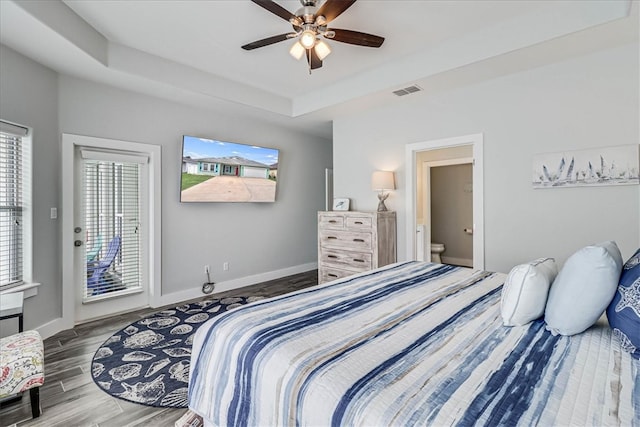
(14, 200)
(112, 212)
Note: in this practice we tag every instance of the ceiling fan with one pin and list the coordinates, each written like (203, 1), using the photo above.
(309, 23)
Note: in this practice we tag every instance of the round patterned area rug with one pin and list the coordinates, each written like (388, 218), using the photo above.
(148, 361)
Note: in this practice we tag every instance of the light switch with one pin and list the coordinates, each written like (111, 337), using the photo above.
(54, 213)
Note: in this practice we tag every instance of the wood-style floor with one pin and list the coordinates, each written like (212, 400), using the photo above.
(70, 398)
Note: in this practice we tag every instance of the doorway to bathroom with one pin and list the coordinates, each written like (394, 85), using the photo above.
(445, 201)
(447, 209)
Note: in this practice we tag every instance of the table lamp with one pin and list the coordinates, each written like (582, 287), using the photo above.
(381, 181)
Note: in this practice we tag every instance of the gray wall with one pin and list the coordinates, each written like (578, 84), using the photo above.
(29, 96)
(452, 210)
(254, 238)
(584, 102)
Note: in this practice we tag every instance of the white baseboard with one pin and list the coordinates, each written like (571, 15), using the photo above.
(195, 293)
(457, 261)
(51, 328)
(54, 326)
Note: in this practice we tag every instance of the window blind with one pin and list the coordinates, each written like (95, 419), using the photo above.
(113, 228)
(11, 205)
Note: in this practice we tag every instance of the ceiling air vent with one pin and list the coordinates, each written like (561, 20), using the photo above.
(407, 90)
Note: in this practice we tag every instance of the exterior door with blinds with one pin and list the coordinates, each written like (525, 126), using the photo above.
(110, 227)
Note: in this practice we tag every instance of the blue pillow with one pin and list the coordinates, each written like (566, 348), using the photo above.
(624, 311)
(583, 289)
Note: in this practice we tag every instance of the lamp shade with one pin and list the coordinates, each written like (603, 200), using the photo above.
(322, 50)
(297, 50)
(383, 180)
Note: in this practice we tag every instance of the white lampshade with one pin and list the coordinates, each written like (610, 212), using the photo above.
(322, 49)
(383, 180)
(297, 50)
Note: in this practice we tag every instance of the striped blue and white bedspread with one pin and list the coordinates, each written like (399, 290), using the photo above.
(408, 344)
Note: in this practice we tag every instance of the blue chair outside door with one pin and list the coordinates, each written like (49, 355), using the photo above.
(98, 281)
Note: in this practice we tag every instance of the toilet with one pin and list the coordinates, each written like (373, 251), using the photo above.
(436, 250)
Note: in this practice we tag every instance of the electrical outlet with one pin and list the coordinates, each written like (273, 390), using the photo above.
(206, 269)
(225, 266)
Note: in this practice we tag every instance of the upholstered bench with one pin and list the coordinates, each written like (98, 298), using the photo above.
(22, 366)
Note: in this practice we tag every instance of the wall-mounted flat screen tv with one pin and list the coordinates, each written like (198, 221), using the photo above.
(222, 171)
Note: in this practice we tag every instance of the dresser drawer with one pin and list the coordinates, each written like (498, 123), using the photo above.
(356, 261)
(358, 223)
(326, 220)
(328, 274)
(352, 240)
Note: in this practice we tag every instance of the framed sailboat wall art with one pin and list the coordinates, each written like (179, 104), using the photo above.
(619, 165)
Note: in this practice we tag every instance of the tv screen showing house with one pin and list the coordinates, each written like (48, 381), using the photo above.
(222, 171)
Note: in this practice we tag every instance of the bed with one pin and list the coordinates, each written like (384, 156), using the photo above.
(407, 344)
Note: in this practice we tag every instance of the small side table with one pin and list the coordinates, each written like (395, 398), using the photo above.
(11, 306)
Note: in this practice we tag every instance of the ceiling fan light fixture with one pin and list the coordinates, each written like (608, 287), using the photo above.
(308, 39)
(297, 50)
(310, 30)
(322, 50)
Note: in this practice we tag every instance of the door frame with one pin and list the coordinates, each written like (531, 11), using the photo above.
(411, 150)
(426, 206)
(153, 238)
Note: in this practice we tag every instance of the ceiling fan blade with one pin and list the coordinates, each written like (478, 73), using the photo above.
(356, 37)
(266, 42)
(275, 8)
(313, 60)
(332, 8)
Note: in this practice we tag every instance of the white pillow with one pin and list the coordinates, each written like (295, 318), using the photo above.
(524, 294)
(583, 289)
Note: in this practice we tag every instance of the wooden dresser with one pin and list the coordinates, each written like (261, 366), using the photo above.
(353, 242)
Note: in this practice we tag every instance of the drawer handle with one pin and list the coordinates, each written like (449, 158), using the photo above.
(332, 221)
(359, 222)
(359, 240)
(332, 275)
(358, 260)
(331, 237)
(332, 256)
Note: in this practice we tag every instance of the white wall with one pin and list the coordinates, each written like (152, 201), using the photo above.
(584, 102)
(29, 96)
(254, 238)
